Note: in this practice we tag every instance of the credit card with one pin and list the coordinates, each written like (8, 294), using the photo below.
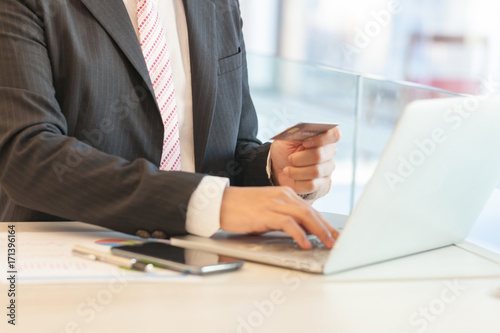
(303, 131)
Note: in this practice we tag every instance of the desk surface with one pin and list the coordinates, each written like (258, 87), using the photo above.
(446, 290)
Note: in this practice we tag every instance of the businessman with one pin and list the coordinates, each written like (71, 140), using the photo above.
(135, 115)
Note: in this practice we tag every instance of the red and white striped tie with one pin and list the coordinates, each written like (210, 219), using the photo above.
(154, 47)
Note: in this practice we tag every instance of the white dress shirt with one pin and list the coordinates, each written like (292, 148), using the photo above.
(203, 211)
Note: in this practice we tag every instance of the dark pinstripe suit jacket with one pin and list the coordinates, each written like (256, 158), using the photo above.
(80, 131)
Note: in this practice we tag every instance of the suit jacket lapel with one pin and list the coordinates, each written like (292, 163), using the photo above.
(200, 15)
(113, 16)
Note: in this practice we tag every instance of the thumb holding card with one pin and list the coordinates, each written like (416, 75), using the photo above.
(301, 166)
(302, 157)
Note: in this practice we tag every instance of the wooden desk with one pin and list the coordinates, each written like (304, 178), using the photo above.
(446, 290)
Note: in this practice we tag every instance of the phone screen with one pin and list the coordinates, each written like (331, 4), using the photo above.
(177, 258)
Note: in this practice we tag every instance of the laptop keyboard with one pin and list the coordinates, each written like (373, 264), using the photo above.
(288, 246)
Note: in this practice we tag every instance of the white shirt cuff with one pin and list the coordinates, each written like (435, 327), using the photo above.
(268, 168)
(203, 211)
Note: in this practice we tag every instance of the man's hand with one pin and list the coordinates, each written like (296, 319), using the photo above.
(306, 166)
(262, 209)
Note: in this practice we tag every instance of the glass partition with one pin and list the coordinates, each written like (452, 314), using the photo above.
(366, 108)
(286, 93)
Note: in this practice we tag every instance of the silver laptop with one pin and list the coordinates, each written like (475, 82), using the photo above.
(436, 174)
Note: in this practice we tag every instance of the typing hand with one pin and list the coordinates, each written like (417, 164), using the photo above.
(306, 166)
(262, 209)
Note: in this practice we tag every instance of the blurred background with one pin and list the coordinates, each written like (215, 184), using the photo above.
(450, 44)
(358, 63)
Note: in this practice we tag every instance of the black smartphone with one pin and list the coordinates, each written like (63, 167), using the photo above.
(178, 259)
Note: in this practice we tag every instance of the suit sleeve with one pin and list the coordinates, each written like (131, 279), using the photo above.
(45, 170)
